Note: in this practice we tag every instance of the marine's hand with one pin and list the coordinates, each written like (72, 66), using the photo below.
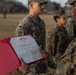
(23, 67)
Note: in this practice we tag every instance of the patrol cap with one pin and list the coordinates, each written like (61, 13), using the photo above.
(70, 2)
(39, 1)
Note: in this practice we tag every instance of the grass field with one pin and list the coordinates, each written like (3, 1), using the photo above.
(8, 26)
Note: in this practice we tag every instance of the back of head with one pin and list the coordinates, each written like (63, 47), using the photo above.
(56, 17)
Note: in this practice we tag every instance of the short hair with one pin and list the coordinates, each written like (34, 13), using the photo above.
(56, 17)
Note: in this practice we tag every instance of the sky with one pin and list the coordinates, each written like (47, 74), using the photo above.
(62, 2)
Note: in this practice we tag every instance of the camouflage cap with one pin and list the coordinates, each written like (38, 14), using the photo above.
(39, 1)
(70, 2)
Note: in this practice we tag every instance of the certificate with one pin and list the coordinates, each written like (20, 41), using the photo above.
(26, 48)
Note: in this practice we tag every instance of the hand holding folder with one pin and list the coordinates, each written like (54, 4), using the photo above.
(11, 49)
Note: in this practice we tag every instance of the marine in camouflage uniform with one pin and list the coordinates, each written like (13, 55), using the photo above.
(36, 28)
(58, 41)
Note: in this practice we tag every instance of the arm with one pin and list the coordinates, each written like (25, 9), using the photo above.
(51, 43)
(62, 42)
(23, 29)
(70, 49)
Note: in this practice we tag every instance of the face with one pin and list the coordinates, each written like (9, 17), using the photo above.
(74, 12)
(38, 8)
(62, 21)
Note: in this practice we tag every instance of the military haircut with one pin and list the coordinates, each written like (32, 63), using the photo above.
(56, 17)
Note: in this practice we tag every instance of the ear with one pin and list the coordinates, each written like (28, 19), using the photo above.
(31, 5)
(58, 19)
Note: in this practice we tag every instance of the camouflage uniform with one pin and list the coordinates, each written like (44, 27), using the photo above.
(36, 28)
(58, 41)
(31, 26)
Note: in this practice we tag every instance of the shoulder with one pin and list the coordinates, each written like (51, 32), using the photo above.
(70, 19)
(56, 29)
(26, 21)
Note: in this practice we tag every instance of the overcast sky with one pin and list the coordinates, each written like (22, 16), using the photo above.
(62, 2)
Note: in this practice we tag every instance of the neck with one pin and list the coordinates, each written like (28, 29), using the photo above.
(34, 15)
(59, 25)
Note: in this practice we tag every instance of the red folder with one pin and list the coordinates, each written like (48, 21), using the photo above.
(8, 59)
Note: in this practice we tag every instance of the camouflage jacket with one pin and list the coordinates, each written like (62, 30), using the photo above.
(58, 41)
(31, 26)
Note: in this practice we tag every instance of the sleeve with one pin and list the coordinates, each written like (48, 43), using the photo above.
(71, 47)
(44, 36)
(19, 30)
(23, 29)
(51, 43)
(60, 42)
